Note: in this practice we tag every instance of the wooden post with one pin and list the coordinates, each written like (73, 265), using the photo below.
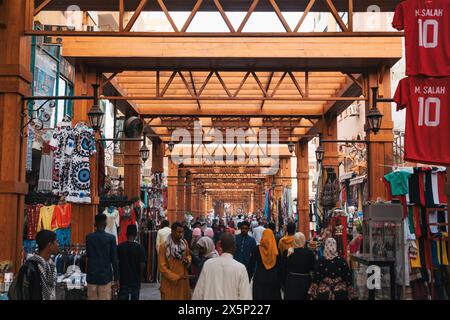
(132, 169)
(331, 156)
(158, 149)
(381, 145)
(15, 80)
(194, 204)
(303, 187)
(180, 194)
(83, 214)
(188, 198)
(172, 192)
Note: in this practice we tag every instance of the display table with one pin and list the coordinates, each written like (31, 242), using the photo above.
(368, 260)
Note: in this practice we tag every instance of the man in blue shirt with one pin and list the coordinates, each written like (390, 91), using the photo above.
(245, 245)
(101, 251)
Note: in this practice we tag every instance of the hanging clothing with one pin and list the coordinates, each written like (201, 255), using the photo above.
(62, 144)
(46, 221)
(32, 213)
(399, 182)
(79, 186)
(127, 217)
(112, 222)
(45, 173)
(62, 215)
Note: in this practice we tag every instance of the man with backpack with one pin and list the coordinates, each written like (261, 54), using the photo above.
(36, 279)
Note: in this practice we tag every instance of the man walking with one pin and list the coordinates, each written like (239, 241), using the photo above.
(36, 279)
(101, 251)
(258, 231)
(245, 245)
(131, 265)
(223, 278)
(174, 259)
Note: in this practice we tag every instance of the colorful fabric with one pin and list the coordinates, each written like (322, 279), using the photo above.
(399, 182)
(427, 44)
(63, 236)
(62, 215)
(268, 249)
(46, 221)
(79, 186)
(175, 250)
(62, 143)
(33, 213)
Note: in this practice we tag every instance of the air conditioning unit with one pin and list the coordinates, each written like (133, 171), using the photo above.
(354, 110)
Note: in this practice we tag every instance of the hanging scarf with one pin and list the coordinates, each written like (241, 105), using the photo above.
(330, 251)
(175, 250)
(299, 242)
(268, 249)
(208, 245)
(48, 277)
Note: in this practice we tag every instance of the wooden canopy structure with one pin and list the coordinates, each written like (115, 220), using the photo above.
(292, 81)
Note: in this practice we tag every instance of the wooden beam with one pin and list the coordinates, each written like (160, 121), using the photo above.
(121, 14)
(192, 15)
(108, 80)
(206, 82)
(195, 91)
(280, 16)
(223, 84)
(224, 15)
(355, 80)
(241, 84)
(136, 15)
(305, 13)
(168, 16)
(350, 15)
(247, 16)
(267, 88)
(41, 7)
(336, 16)
(259, 84)
(168, 84)
(296, 84)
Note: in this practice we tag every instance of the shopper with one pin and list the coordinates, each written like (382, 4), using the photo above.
(298, 264)
(288, 240)
(102, 270)
(258, 231)
(266, 262)
(223, 278)
(245, 245)
(277, 235)
(162, 234)
(209, 232)
(174, 259)
(196, 235)
(131, 265)
(36, 279)
(332, 276)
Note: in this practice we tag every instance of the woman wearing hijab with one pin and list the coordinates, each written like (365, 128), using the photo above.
(265, 262)
(298, 264)
(206, 250)
(332, 276)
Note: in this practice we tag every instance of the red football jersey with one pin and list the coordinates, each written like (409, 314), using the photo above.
(427, 40)
(427, 133)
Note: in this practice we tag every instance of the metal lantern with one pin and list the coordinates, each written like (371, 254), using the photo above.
(144, 153)
(320, 152)
(291, 146)
(96, 114)
(171, 145)
(374, 118)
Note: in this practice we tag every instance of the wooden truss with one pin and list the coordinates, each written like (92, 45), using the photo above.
(334, 7)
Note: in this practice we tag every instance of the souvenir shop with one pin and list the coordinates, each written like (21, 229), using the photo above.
(279, 210)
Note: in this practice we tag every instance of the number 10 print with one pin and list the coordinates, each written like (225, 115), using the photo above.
(425, 112)
(423, 33)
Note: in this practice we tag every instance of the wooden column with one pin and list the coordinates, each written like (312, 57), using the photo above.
(180, 194)
(198, 196)
(82, 220)
(194, 204)
(381, 146)
(303, 187)
(331, 156)
(132, 169)
(158, 149)
(188, 198)
(202, 204)
(15, 80)
(172, 181)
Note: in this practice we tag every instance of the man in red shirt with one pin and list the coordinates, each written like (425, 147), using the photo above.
(426, 24)
(427, 133)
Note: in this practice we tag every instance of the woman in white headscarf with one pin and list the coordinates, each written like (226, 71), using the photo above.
(298, 264)
(206, 250)
(332, 276)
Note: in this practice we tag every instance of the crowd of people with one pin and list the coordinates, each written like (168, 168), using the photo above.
(209, 260)
(216, 261)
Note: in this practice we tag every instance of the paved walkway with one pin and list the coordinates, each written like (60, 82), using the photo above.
(150, 291)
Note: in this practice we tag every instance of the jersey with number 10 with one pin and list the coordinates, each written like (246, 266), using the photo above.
(427, 133)
(427, 36)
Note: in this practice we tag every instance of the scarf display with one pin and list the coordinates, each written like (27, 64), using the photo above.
(299, 242)
(47, 272)
(268, 249)
(208, 245)
(175, 250)
(330, 250)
